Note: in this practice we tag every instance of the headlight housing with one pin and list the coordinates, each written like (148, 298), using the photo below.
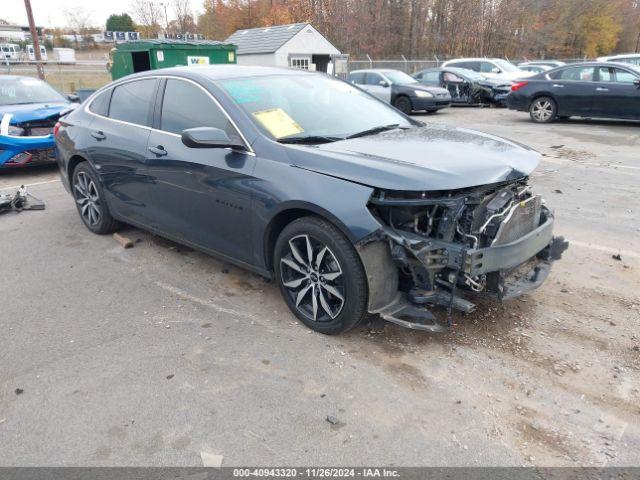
(423, 94)
(16, 131)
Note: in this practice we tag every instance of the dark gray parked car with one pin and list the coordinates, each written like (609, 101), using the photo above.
(350, 205)
(401, 90)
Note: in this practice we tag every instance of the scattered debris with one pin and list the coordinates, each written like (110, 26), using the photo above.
(556, 146)
(21, 200)
(169, 377)
(19, 391)
(126, 242)
(557, 191)
(2, 420)
(225, 270)
(211, 459)
(332, 420)
(617, 256)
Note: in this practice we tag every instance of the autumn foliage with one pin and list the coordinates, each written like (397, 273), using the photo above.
(423, 28)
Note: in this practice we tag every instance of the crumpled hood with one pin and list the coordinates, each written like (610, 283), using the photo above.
(33, 111)
(433, 157)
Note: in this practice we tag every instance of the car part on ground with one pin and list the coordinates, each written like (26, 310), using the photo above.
(351, 206)
(21, 200)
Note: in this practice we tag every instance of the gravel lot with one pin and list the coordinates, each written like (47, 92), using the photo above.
(152, 355)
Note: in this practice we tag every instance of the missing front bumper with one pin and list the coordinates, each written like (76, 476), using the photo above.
(511, 270)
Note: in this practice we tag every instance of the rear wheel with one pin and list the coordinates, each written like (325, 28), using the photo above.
(403, 104)
(543, 110)
(320, 276)
(90, 200)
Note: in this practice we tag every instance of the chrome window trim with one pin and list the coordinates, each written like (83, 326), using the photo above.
(90, 100)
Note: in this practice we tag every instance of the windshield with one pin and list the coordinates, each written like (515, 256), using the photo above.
(309, 105)
(506, 66)
(17, 91)
(399, 78)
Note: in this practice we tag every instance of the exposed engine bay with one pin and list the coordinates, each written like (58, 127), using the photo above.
(477, 93)
(494, 240)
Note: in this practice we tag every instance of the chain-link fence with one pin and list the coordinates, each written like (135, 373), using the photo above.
(413, 66)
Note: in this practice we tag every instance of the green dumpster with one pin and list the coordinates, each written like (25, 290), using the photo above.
(142, 55)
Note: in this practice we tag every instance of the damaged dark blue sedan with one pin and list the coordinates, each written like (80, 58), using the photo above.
(351, 206)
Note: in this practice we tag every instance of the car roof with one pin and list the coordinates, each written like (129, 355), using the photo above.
(475, 59)
(220, 72)
(378, 70)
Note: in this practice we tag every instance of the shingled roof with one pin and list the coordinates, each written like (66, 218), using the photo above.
(264, 39)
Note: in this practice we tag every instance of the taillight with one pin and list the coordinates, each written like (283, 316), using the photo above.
(56, 127)
(518, 85)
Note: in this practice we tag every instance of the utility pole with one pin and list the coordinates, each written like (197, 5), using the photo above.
(166, 17)
(481, 28)
(36, 40)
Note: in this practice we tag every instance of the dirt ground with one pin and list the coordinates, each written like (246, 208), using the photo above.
(152, 355)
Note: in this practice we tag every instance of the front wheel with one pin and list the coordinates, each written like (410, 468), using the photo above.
(543, 110)
(403, 104)
(320, 276)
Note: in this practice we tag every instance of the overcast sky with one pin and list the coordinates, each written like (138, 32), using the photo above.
(50, 13)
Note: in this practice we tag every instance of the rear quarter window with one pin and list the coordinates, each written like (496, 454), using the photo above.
(100, 104)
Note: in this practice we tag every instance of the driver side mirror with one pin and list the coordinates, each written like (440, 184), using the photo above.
(496, 70)
(384, 83)
(636, 82)
(209, 137)
(73, 98)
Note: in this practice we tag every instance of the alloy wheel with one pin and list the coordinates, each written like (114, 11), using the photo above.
(313, 278)
(542, 110)
(88, 199)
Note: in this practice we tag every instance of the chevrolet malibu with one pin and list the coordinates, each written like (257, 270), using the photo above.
(351, 206)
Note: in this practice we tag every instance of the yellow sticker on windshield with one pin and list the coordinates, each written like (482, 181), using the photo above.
(278, 122)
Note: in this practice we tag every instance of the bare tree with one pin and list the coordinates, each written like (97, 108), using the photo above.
(79, 21)
(184, 17)
(148, 14)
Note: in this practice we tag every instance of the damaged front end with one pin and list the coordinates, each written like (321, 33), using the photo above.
(494, 241)
(28, 142)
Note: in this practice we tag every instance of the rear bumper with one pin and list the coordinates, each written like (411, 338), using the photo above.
(517, 102)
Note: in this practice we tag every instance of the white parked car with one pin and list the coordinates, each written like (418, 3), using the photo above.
(632, 58)
(32, 53)
(490, 67)
(10, 51)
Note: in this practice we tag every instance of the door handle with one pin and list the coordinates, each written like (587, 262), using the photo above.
(601, 89)
(557, 85)
(159, 151)
(98, 135)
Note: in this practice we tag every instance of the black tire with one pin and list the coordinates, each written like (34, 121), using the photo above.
(90, 200)
(308, 285)
(403, 104)
(543, 110)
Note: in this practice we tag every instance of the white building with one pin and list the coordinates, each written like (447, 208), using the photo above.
(298, 45)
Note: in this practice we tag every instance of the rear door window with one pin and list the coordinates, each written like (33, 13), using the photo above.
(131, 102)
(584, 74)
(186, 105)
